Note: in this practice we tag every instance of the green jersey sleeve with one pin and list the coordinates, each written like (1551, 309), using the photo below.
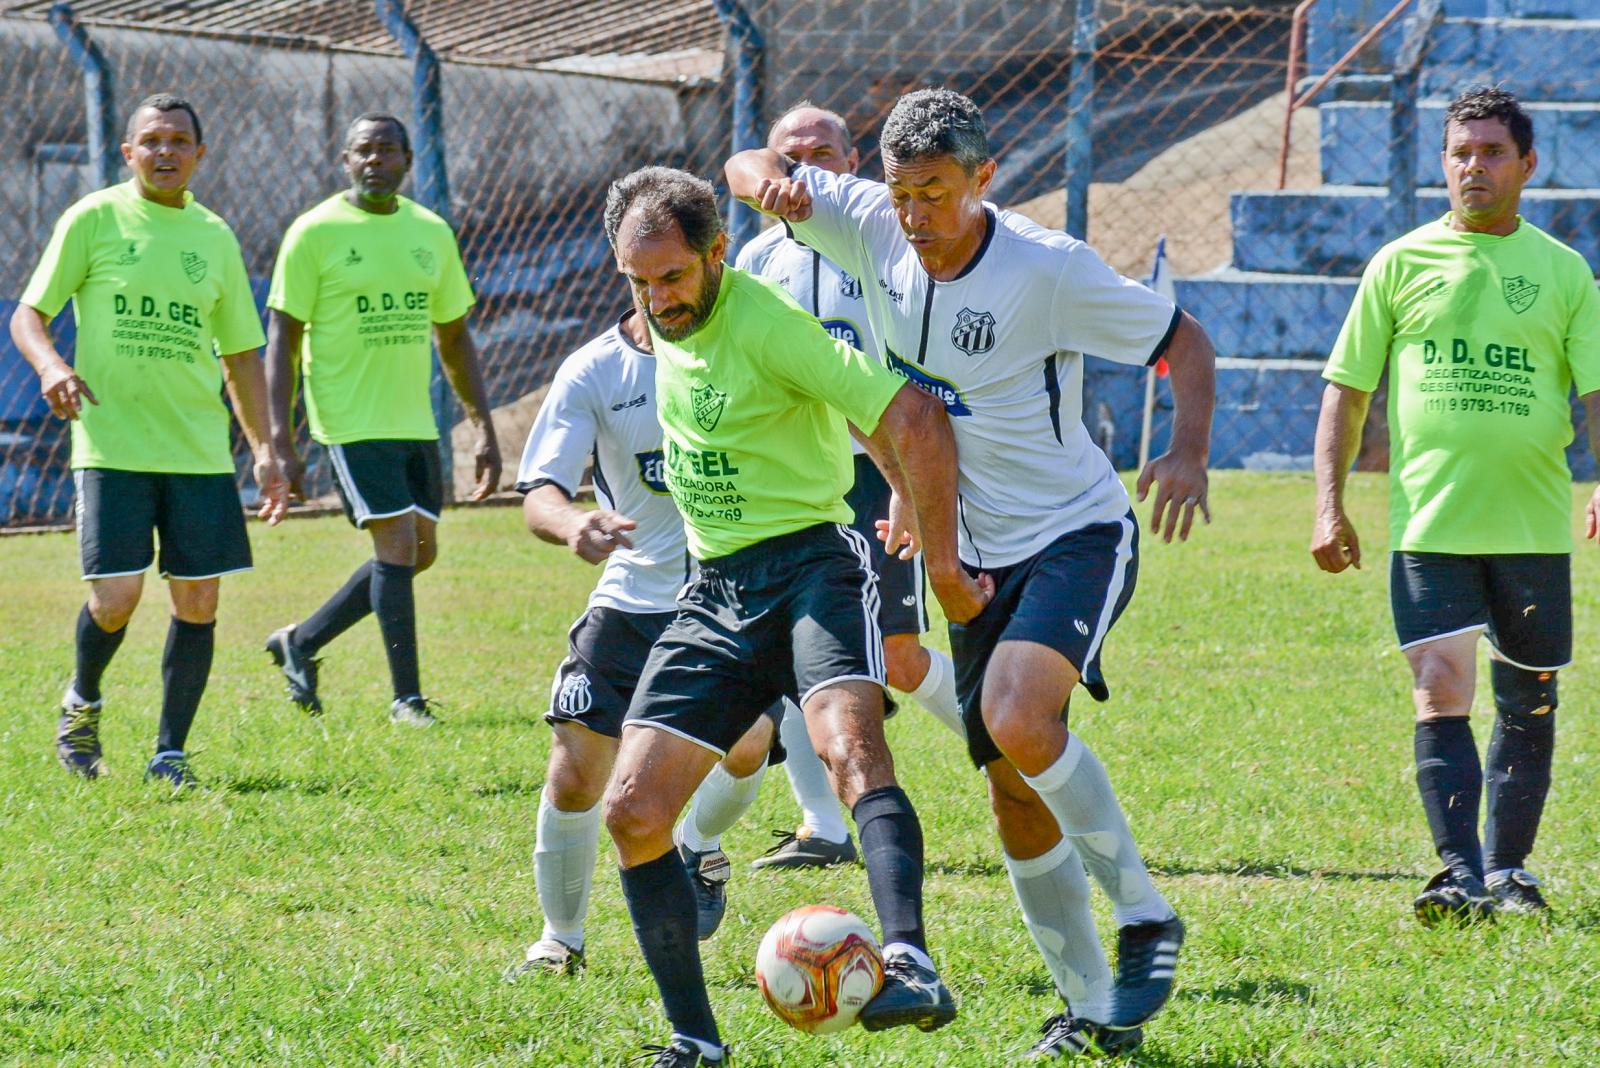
(453, 298)
(1362, 348)
(812, 362)
(1583, 339)
(295, 277)
(63, 267)
(236, 324)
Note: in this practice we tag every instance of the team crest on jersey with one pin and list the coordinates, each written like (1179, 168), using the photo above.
(352, 259)
(424, 259)
(974, 332)
(194, 268)
(1519, 293)
(653, 470)
(575, 698)
(130, 257)
(849, 288)
(707, 402)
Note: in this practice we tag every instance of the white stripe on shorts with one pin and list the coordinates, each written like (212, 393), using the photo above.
(341, 471)
(869, 602)
(1119, 577)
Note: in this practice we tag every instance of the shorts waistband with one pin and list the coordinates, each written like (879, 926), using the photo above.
(773, 548)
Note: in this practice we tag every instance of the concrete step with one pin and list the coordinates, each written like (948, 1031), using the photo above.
(1335, 25)
(1336, 229)
(1538, 59)
(1256, 315)
(1355, 144)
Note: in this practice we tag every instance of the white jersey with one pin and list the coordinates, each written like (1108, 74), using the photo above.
(602, 404)
(1002, 345)
(817, 285)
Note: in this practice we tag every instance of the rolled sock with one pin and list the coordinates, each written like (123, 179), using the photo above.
(661, 902)
(1078, 793)
(565, 848)
(393, 604)
(185, 668)
(1450, 780)
(95, 648)
(1520, 750)
(937, 692)
(1054, 895)
(891, 848)
(338, 613)
(718, 804)
(808, 779)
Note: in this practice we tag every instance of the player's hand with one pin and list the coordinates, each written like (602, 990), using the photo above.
(274, 488)
(1181, 490)
(963, 597)
(293, 468)
(787, 198)
(1334, 544)
(485, 465)
(64, 391)
(601, 533)
(1591, 517)
(899, 532)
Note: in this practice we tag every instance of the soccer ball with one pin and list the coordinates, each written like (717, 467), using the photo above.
(817, 966)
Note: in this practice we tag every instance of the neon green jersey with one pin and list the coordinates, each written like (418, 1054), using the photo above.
(369, 289)
(158, 293)
(753, 408)
(1484, 337)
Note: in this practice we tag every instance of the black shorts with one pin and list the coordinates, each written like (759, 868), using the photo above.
(383, 479)
(198, 518)
(900, 584)
(606, 651)
(786, 616)
(1067, 596)
(1523, 601)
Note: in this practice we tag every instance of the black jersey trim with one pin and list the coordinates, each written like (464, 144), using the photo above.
(927, 313)
(961, 512)
(623, 334)
(600, 478)
(1052, 386)
(1166, 339)
(816, 284)
(528, 487)
(990, 225)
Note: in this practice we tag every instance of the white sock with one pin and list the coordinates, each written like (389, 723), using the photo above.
(906, 949)
(937, 692)
(1078, 793)
(809, 779)
(710, 1052)
(1054, 895)
(564, 852)
(717, 805)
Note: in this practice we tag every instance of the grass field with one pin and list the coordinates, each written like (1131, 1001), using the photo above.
(344, 892)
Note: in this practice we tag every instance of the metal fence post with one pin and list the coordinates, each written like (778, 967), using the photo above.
(102, 138)
(743, 221)
(1080, 96)
(432, 184)
(1402, 203)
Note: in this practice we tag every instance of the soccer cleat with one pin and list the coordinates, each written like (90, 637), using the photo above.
(171, 767)
(681, 1054)
(548, 956)
(911, 994)
(1147, 955)
(299, 669)
(78, 736)
(1517, 890)
(709, 873)
(1454, 897)
(1069, 1036)
(801, 848)
(413, 711)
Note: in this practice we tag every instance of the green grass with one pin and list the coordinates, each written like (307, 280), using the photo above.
(344, 892)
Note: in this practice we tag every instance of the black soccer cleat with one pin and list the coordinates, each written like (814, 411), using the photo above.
(1066, 1035)
(548, 956)
(911, 995)
(78, 736)
(413, 711)
(1517, 890)
(1454, 897)
(1147, 956)
(709, 873)
(681, 1054)
(299, 669)
(802, 849)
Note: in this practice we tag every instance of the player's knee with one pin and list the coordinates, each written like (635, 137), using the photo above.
(1442, 690)
(633, 817)
(574, 787)
(750, 752)
(1520, 692)
(113, 608)
(196, 602)
(905, 663)
(1019, 730)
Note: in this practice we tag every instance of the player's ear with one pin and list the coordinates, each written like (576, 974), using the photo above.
(718, 249)
(1530, 163)
(853, 160)
(984, 177)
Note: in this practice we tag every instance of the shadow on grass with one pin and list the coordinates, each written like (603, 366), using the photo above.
(1244, 869)
(272, 784)
(972, 867)
(507, 788)
(1249, 992)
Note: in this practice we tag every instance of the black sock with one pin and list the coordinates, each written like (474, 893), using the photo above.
(95, 647)
(1518, 779)
(185, 667)
(338, 613)
(891, 848)
(1450, 779)
(396, 610)
(661, 902)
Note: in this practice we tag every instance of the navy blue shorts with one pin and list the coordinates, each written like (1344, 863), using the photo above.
(198, 518)
(1067, 596)
(382, 479)
(900, 582)
(1522, 600)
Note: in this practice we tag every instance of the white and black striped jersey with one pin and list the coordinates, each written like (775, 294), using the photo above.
(1002, 346)
(602, 406)
(817, 285)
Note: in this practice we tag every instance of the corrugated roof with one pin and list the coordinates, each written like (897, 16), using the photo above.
(510, 32)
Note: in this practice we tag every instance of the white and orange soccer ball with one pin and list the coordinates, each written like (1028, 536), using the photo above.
(817, 966)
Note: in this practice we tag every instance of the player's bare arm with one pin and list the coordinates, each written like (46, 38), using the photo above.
(1334, 544)
(591, 533)
(460, 361)
(760, 178)
(247, 389)
(1179, 474)
(1591, 511)
(284, 332)
(59, 384)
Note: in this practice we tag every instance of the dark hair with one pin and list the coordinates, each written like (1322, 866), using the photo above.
(832, 118)
(1491, 102)
(936, 122)
(378, 116)
(663, 198)
(164, 102)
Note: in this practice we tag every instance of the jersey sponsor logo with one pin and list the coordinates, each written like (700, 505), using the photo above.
(424, 258)
(1519, 293)
(194, 267)
(707, 402)
(947, 392)
(130, 257)
(622, 406)
(844, 330)
(352, 259)
(894, 294)
(849, 288)
(973, 333)
(575, 697)
(653, 470)
(1081, 627)
(909, 600)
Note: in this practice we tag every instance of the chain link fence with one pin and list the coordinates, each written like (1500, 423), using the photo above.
(1152, 125)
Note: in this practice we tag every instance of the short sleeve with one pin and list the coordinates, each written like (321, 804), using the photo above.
(1362, 349)
(1102, 313)
(1583, 337)
(235, 322)
(812, 362)
(562, 438)
(63, 267)
(848, 215)
(296, 276)
(452, 297)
